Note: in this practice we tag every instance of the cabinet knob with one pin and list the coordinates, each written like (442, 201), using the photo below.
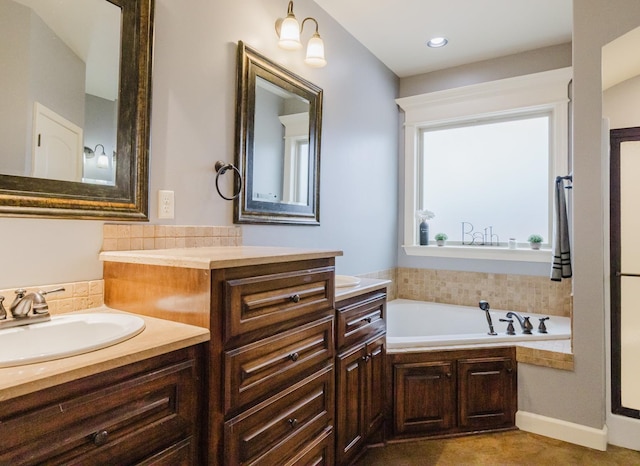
(100, 437)
(509, 370)
(294, 356)
(293, 422)
(295, 298)
(448, 375)
(366, 357)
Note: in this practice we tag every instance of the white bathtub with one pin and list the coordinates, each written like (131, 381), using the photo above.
(412, 324)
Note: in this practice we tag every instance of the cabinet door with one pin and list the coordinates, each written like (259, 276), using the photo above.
(487, 392)
(350, 396)
(375, 399)
(424, 397)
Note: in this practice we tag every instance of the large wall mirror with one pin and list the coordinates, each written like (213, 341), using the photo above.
(278, 123)
(74, 123)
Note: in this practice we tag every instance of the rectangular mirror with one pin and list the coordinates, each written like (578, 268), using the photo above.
(75, 126)
(278, 122)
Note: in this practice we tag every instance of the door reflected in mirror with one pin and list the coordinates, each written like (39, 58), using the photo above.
(278, 143)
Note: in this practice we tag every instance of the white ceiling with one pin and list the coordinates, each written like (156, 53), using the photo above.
(396, 31)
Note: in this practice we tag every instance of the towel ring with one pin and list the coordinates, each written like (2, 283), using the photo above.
(221, 168)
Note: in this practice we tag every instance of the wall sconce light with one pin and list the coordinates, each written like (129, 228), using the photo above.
(289, 32)
(103, 159)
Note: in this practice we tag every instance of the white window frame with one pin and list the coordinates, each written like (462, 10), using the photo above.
(545, 91)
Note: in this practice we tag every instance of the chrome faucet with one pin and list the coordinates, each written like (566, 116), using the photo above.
(484, 305)
(525, 325)
(26, 308)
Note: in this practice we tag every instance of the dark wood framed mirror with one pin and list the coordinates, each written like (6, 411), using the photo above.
(82, 133)
(278, 126)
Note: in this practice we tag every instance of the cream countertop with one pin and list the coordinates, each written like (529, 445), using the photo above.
(208, 258)
(365, 285)
(159, 337)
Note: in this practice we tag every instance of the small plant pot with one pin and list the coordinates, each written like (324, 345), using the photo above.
(535, 246)
(440, 242)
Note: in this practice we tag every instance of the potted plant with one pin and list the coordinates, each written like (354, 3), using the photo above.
(535, 241)
(441, 238)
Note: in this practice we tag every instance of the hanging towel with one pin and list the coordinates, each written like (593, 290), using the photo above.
(561, 266)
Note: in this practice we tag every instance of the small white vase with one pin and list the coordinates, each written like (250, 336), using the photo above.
(440, 242)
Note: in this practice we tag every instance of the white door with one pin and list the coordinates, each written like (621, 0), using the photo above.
(57, 146)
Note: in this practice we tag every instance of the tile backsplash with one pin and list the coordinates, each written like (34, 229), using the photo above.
(124, 237)
(520, 293)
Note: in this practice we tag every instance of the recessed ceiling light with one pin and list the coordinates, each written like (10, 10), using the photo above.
(437, 42)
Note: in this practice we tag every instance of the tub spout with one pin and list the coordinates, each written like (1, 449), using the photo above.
(524, 322)
(484, 305)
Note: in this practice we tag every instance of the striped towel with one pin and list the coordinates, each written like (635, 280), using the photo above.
(561, 266)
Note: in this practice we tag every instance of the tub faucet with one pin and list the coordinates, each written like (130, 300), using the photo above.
(484, 305)
(525, 325)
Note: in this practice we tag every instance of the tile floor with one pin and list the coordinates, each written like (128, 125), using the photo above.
(505, 448)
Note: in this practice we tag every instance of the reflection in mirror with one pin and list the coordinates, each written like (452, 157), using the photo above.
(278, 141)
(75, 88)
(62, 89)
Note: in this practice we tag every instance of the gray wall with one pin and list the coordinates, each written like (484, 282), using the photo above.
(193, 126)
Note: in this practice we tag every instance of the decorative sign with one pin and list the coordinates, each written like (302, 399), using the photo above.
(485, 237)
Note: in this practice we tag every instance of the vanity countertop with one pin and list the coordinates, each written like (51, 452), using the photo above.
(159, 337)
(220, 257)
(365, 285)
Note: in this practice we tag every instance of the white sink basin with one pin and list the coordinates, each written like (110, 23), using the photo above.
(65, 335)
(344, 281)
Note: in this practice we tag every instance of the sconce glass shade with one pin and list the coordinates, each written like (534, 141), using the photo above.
(315, 52)
(290, 34)
(103, 161)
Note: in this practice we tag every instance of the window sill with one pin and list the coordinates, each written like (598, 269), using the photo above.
(480, 252)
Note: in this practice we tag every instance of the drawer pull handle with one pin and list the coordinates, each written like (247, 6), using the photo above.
(295, 298)
(368, 320)
(294, 356)
(100, 438)
(293, 422)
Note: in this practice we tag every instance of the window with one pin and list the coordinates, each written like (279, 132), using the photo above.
(483, 158)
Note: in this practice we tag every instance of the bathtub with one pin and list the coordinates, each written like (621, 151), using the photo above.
(412, 324)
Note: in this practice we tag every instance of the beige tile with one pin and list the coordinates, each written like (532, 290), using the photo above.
(137, 231)
(80, 289)
(124, 244)
(124, 231)
(170, 242)
(161, 231)
(96, 287)
(148, 231)
(149, 243)
(110, 244)
(110, 230)
(137, 243)
(160, 243)
(181, 242)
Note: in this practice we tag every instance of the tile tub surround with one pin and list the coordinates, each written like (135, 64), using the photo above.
(520, 293)
(126, 236)
(77, 296)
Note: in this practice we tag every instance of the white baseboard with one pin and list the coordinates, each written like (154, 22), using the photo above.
(563, 430)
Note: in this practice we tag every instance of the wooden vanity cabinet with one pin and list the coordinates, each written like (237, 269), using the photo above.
(360, 376)
(450, 392)
(271, 386)
(148, 412)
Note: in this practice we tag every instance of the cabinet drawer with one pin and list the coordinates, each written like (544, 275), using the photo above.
(255, 370)
(122, 424)
(255, 303)
(278, 429)
(359, 320)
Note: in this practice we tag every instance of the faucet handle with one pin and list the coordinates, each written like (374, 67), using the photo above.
(542, 328)
(20, 292)
(40, 305)
(510, 329)
(527, 327)
(3, 311)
